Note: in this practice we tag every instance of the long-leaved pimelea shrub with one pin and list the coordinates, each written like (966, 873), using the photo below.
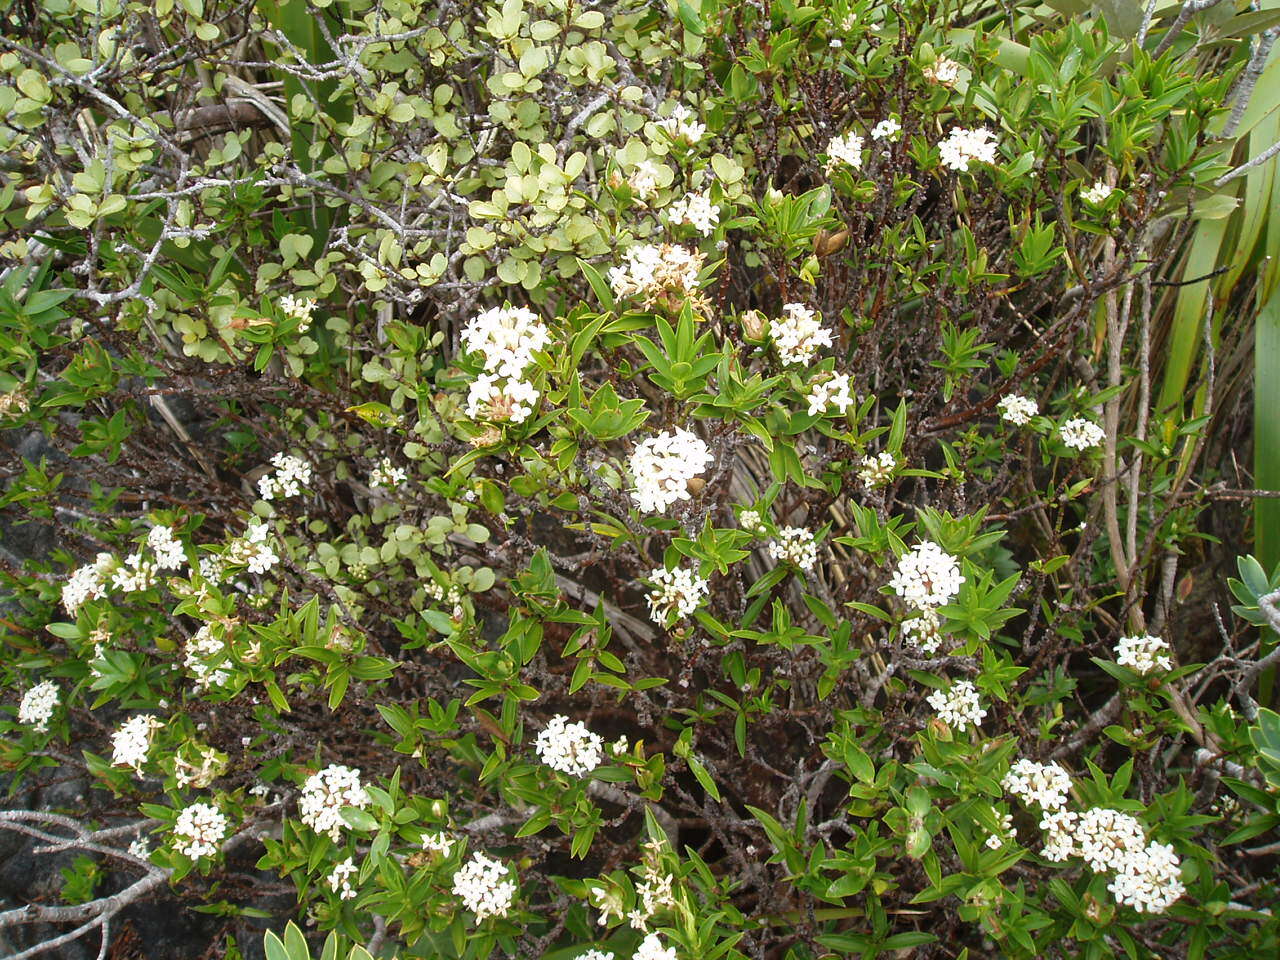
(627, 480)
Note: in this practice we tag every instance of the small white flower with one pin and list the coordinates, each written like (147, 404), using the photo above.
(998, 839)
(569, 747)
(958, 705)
(662, 467)
(199, 831)
(1150, 881)
(1107, 838)
(651, 948)
(962, 147)
(325, 794)
(339, 879)
(927, 576)
(291, 475)
(795, 545)
(887, 129)
(140, 848)
(438, 842)
(832, 391)
(38, 704)
(506, 339)
(846, 149)
(387, 475)
(595, 955)
(1017, 409)
(169, 552)
(877, 470)
(1059, 834)
(696, 210)
(799, 333)
(649, 270)
(482, 885)
(680, 125)
(1045, 784)
(298, 308)
(1081, 434)
(924, 630)
(677, 593)
(1144, 654)
(751, 521)
(944, 71)
(131, 742)
(1097, 194)
(644, 180)
(87, 583)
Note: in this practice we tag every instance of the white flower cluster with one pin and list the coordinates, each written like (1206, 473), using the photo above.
(845, 149)
(325, 794)
(1044, 784)
(1017, 409)
(252, 550)
(998, 839)
(170, 554)
(130, 743)
(506, 338)
(1081, 434)
(795, 545)
(751, 521)
(339, 879)
(1097, 194)
(877, 470)
(199, 830)
(481, 885)
(962, 147)
(1147, 875)
(654, 890)
(944, 71)
(651, 948)
(696, 210)
(663, 465)
(650, 270)
(205, 656)
(291, 475)
(676, 593)
(958, 705)
(924, 630)
(387, 475)
(134, 574)
(886, 129)
(438, 842)
(298, 308)
(798, 333)
(643, 180)
(681, 125)
(832, 391)
(595, 955)
(927, 576)
(1144, 654)
(569, 747)
(87, 583)
(38, 704)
